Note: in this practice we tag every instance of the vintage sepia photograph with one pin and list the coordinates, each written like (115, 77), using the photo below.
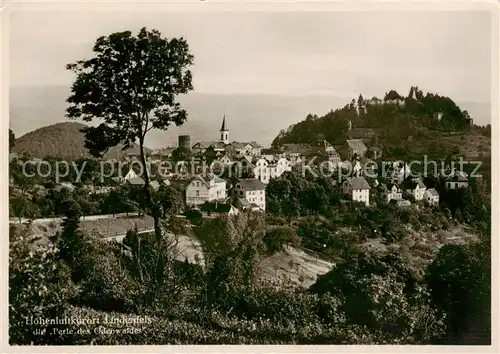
(254, 175)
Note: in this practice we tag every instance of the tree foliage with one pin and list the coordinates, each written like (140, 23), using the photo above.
(131, 84)
(39, 287)
(460, 284)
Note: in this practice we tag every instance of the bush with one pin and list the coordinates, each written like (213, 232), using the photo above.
(105, 285)
(277, 238)
(39, 287)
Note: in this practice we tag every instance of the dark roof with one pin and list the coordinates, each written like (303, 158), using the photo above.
(246, 161)
(358, 183)
(117, 179)
(390, 185)
(251, 184)
(179, 183)
(207, 144)
(255, 144)
(223, 127)
(412, 183)
(244, 202)
(216, 207)
(270, 151)
(207, 177)
(321, 143)
(136, 181)
(218, 179)
(361, 133)
(433, 192)
(297, 148)
(458, 176)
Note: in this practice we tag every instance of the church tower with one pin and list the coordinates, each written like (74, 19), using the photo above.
(224, 132)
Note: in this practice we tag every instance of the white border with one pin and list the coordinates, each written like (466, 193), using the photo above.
(217, 6)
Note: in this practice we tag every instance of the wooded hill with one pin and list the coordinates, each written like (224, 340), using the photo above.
(404, 126)
(63, 140)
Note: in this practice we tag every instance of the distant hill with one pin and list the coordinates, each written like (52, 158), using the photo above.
(249, 116)
(64, 140)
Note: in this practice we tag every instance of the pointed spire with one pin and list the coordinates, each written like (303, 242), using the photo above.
(223, 128)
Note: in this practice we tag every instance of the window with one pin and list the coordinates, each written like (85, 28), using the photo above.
(197, 193)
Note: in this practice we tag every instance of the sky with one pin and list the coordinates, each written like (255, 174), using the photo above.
(285, 53)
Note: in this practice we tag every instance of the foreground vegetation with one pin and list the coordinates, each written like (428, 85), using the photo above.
(369, 297)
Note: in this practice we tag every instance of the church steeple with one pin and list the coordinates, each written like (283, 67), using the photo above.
(224, 132)
(223, 128)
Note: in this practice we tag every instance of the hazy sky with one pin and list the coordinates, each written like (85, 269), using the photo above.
(286, 53)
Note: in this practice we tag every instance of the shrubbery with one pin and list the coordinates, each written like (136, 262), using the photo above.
(367, 298)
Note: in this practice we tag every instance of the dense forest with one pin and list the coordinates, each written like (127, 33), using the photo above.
(394, 119)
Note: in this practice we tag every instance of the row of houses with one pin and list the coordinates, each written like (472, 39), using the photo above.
(358, 189)
(206, 188)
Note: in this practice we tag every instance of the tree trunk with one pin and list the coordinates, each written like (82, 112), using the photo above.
(154, 210)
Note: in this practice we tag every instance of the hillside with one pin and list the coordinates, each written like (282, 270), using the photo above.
(404, 126)
(63, 140)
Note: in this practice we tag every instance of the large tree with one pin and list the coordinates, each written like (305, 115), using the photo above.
(130, 85)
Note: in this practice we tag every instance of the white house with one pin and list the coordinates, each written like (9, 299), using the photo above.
(253, 190)
(225, 160)
(391, 192)
(334, 157)
(358, 188)
(205, 188)
(432, 196)
(415, 187)
(130, 175)
(265, 169)
(261, 170)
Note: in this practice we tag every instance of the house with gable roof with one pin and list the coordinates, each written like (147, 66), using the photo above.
(355, 147)
(431, 196)
(390, 192)
(358, 189)
(457, 179)
(253, 191)
(205, 188)
(415, 187)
